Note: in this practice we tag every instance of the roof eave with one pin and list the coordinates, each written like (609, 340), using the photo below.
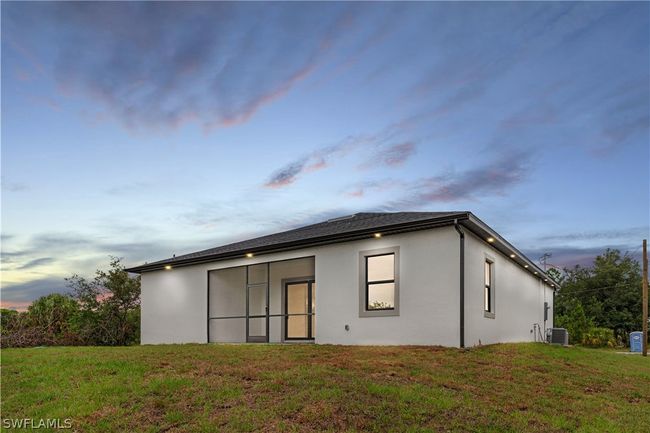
(483, 231)
(294, 245)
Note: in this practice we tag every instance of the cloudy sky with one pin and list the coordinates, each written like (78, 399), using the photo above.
(144, 130)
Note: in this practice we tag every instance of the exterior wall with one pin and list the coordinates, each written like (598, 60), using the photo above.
(429, 298)
(518, 297)
(174, 303)
(174, 306)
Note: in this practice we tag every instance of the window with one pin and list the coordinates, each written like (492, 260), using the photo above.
(488, 290)
(379, 286)
(380, 282)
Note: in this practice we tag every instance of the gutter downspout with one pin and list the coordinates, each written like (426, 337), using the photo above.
(462, 282)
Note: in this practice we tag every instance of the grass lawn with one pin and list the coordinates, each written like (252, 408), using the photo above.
(234, 388)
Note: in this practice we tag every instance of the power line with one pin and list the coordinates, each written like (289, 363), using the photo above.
(620, 286)
(633, 252)
(542, 259)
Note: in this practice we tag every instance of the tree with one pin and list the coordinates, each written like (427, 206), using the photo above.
(101, 311)
(54, 315)
(556, 275)
(109, 306)
(49, 320)
(575, 321)
(7, 317)
(15, 329)
(609, 292)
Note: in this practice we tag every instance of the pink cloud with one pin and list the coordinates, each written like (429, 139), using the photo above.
(398, 153)
(385, 154)
(357, 193)
(317, 165)
(15, 305)
(244, 115)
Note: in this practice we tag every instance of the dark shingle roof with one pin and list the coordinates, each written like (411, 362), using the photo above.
(330, 231)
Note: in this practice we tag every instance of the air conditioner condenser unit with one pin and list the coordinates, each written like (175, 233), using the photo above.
(558, 336)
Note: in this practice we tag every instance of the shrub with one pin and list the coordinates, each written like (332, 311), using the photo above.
(47, 322)
(575, 321)
(101, 311)
(599, 337)
(54, 314)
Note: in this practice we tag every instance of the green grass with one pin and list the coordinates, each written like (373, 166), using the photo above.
(309, 388)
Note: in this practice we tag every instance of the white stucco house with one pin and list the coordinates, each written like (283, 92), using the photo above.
(425, 278)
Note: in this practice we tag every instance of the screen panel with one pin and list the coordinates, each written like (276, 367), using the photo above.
(227, 292)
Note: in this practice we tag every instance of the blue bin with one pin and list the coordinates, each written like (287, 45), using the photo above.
(636, 341)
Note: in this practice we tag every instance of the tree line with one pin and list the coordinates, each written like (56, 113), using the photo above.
(102, 311)
(600, 304)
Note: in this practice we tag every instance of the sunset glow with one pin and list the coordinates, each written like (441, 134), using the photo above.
(146, 129)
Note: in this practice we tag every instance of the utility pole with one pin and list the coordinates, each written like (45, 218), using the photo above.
(645, 298)
(543, 259)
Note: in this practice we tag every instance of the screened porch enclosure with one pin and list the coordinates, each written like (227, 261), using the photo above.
(264, 302)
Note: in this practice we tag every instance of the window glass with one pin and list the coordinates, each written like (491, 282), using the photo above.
(381, 296)
(488, 287)
(381, 268)
(378, 282)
